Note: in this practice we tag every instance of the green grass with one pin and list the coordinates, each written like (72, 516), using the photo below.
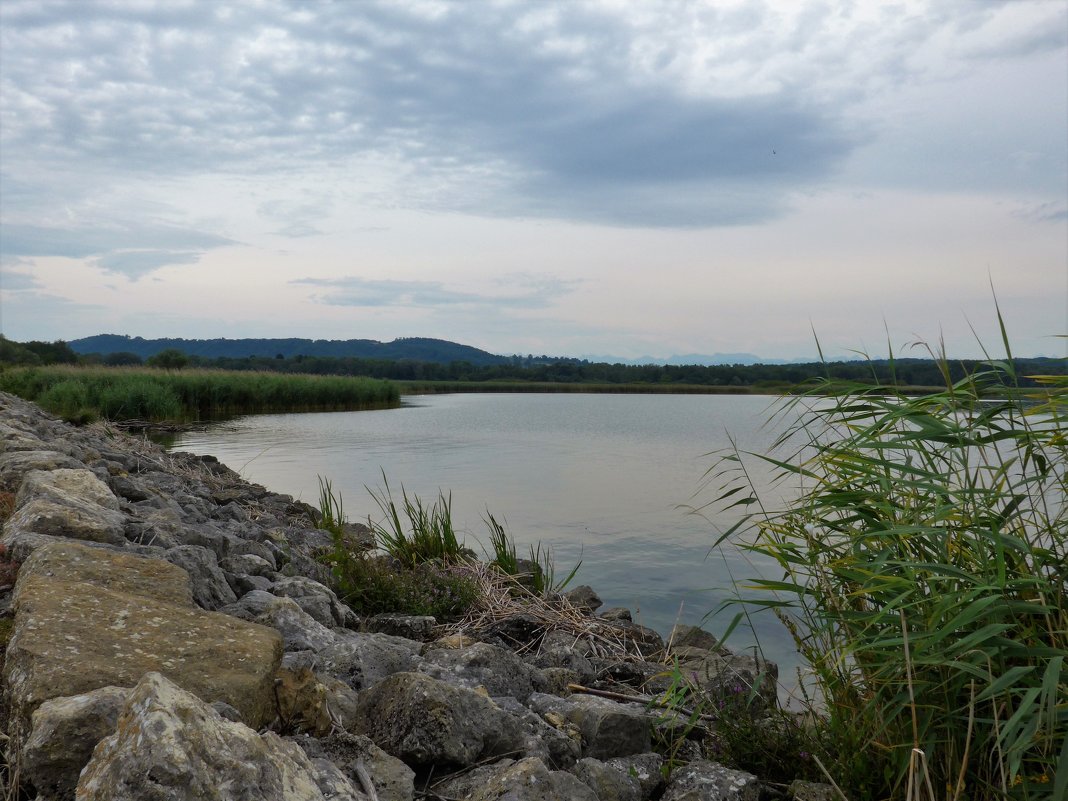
(414, 585)
(81, 394)
(415, 532)
(922, 574)
(542, 577)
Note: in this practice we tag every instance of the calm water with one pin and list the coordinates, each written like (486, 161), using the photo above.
(601, 478)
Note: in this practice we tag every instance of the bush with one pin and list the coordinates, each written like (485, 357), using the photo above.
(923, 573)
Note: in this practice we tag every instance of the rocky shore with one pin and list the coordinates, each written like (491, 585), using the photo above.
(174, 636)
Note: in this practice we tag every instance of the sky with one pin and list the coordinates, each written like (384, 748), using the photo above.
(625, 178)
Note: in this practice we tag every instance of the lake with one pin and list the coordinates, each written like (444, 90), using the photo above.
(602, 478)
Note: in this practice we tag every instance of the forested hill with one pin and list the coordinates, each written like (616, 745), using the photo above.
(420, 349)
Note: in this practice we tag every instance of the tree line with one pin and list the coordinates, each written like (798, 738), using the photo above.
(903, 372)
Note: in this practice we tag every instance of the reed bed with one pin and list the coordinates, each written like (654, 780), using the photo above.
(81, 394)
(923, 575)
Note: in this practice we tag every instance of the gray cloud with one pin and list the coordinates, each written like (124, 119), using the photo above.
(16, 280)
(537, 110)
(134, 251)
(555, 110)
(517, 292)
(1053, 212)
(137, 263)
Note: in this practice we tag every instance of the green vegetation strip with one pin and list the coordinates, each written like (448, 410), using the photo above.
(82, 394)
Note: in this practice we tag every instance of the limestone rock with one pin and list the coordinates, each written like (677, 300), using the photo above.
(683, 636)
(310, 702)
(64, 484)
(701, 780)
(428, 722)
(210, 588)
(316, 599)
(74, 518)
(609, 729)
(362, 660)
(412, 627)
(87, 618)
(529, 780)
(14, 464)
(607, 782)
(171, 746)
(736, 678)
(65, 731)
(497, 670)
(584, 597)
(392, 779)
(646, 768)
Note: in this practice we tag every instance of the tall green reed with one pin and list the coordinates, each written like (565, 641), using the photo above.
(922, 575)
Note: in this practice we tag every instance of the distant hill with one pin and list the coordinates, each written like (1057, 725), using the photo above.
(438, 351)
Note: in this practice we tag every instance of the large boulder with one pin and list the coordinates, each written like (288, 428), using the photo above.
(87, 618)
(701, 780)
(69, 515)
(210, 588)
(65, 731)
(316, 599)
(427, 722)
(362, 660)
(391, 778)
(608, 728)
(529, 780)
(171, 746)
(497, 670)
(15, 464)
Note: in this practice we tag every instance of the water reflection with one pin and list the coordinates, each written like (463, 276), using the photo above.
(601, 478)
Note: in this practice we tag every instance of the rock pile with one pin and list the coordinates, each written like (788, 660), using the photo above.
(174, 637)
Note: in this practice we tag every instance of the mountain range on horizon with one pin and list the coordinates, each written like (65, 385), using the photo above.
(423, 349)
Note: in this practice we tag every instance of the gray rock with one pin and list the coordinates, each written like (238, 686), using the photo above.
(559, 748)
(89, 617)
(810, 791)
(683, 636)
(316, 599)
(411, 627)
(392, 779)
(16, 464)
(427, 722)
(130, 488)
(299, 630)
(609, 729)
(74, 518)
(210, 588)
(646, 768)
(465, 784)
(736, 678)
(64, 484)
(583, 597)
(606, 781)
(529, 780)
(65, 731)
(242, 585)
(247, 564)
(701, 780)
(497, 670)
(560, 656)
(172, 746)
(362, 660)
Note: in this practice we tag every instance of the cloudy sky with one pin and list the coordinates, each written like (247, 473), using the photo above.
(622, 177)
